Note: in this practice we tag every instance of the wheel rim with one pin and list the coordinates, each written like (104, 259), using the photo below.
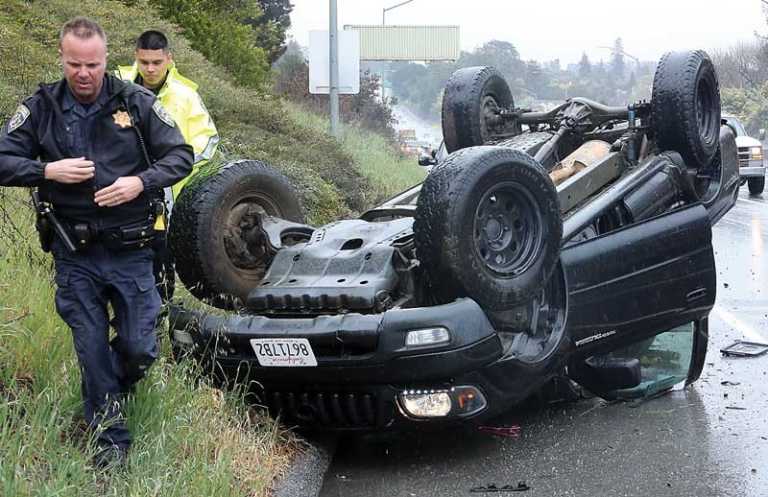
(546, 324)
(550, 318)
(705, 116)
(242, 218)
(507, 230)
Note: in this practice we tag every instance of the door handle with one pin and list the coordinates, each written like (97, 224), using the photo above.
(695, 295)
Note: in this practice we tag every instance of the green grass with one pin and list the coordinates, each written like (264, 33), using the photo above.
(378, 161)
(190, 439)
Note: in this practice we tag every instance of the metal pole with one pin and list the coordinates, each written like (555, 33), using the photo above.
(384, 11)
(333, 42)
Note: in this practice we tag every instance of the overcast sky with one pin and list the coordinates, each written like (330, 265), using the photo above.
(551, 29)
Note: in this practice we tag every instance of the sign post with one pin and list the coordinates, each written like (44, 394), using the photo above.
(333, 59)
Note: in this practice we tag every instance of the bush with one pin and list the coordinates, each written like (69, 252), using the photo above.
(219, 34)
(366, 109)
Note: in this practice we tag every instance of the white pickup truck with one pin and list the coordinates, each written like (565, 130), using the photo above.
(751, 165)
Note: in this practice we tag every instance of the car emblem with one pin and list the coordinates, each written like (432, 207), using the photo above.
(122, 119)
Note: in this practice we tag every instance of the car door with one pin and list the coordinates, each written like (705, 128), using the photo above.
(640, 280)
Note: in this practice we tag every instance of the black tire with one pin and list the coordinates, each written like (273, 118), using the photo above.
(488, 226)
(470, 100)
(685, 107)
(756, 185)
(212, 259)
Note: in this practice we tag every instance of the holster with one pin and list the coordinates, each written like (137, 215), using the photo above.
(45, 232)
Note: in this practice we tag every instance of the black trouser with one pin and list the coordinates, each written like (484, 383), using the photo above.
(88, 282)
(163, 267)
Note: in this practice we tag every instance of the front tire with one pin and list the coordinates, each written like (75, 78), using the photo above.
(488, 226)
(756, 185)
(209, 223)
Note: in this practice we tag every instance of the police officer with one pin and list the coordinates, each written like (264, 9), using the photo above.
(155, 69)
(99, 150)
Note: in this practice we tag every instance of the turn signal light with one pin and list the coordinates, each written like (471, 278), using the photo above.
(428, 336)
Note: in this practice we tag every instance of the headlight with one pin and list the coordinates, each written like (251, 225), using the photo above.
(756, 153)
(455, 402)
(428, 336)
(426, 404)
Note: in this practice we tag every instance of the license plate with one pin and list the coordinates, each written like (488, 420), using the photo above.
(284, 352)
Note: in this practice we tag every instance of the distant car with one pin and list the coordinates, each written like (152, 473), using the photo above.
(545, 246)
(751, 160)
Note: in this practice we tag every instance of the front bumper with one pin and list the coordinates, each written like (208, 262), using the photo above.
(362, 361)
(751, 168)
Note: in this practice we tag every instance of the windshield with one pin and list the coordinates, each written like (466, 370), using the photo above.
(737, 126)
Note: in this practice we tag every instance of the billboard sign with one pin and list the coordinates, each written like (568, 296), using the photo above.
(417, 43)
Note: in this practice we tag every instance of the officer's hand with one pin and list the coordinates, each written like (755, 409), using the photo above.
(121, 191)
(70, 170)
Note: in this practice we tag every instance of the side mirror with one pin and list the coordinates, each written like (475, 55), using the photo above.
(761, 134)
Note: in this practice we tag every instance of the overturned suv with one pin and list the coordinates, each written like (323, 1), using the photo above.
(542, 247)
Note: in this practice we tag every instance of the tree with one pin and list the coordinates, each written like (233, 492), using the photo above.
(367, 108)
(585, 67)
(535, 79)
(215, 28)
(500, 54)
(618, 66)
(271, 26)
(631, 82)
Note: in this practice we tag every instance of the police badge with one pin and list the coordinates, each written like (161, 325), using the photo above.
(163, 114)
(18, 118)
(122, 119)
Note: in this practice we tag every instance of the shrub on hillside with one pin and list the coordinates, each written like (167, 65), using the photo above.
(366, 108)
(217, 30)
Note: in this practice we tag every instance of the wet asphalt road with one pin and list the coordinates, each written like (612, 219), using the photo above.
(708, 440)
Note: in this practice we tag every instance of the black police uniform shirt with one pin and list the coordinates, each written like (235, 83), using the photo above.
(41, 131)
(80, 119)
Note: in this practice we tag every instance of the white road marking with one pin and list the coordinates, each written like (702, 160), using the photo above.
(745, 329)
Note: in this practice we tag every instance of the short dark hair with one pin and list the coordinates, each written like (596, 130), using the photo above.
(153, 40)
(82, 28)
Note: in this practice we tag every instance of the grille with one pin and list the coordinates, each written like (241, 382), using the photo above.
(743, 156)
(332, 409)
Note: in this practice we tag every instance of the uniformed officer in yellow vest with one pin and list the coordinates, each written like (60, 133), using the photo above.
(155, 70)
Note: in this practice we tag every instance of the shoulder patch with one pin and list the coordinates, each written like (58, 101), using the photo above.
(18, 118)
(163, 114)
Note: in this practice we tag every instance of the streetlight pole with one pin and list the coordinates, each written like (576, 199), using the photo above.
(384, 11)
(333, 59)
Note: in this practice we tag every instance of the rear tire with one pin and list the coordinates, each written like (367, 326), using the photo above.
(756, 185)
(209, 220)
(685, 107)
(488, 226)
(472, 98)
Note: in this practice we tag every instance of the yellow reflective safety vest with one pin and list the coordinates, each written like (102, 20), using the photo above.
(180, 98)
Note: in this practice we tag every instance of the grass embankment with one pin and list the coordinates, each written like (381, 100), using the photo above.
(387, 172)
(190, 439)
